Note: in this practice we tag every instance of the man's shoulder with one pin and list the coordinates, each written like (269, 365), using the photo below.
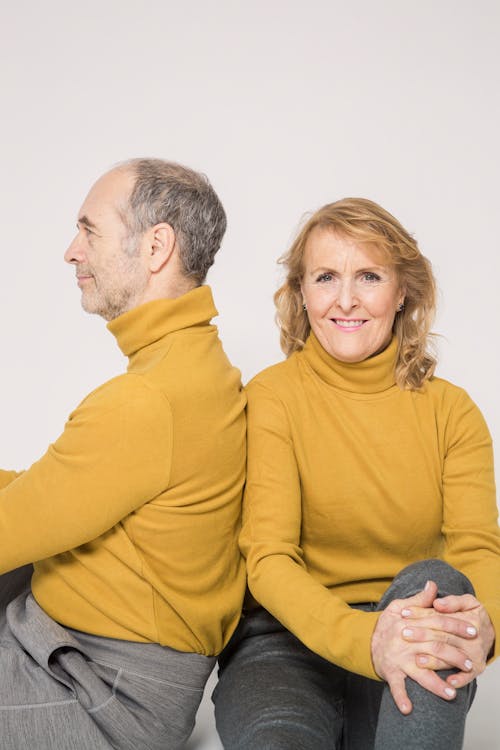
(126, 391)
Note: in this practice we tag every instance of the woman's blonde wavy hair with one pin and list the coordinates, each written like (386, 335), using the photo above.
(365, 221)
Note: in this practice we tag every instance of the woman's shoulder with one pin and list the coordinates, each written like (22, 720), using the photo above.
(278, 378)
(452, 402)
(445, 390)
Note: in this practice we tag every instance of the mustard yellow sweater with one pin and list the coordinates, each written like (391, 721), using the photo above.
(349, 480)
(132, 515)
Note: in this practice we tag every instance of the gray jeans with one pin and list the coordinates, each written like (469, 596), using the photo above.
(61, 688)
(276, 694)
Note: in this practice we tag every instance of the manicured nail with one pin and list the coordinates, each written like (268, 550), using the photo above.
(427, 585)
(468, 664)
(422, 659)
(471, 630)
(405, 708)
(407, 632)
(454, 682)
(450, 692)
(406, 612)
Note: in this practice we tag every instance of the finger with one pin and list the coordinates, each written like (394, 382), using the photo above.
(422, 599)
(440, 656)
(432, 682)
(425, 661)
(460, 654)
(397, 686)
(456, 603)
(453, 626)
(460, 679)
(416, 612)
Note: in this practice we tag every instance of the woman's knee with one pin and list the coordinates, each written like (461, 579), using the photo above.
(413, 578)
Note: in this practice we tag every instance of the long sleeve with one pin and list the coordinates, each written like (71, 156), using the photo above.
(277, 574)
(112, 457)
(6, 477)
(470, 516)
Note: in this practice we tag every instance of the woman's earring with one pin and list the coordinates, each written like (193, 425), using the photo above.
(304, 306)
(401, 307)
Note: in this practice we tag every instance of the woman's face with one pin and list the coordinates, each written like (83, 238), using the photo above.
(351, 295)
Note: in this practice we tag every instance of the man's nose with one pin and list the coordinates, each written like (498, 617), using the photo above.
(74, 253)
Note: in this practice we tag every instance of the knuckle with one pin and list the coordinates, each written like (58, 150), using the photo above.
(438, 647)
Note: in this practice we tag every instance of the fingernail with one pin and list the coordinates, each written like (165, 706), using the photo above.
(407, 632)
(450, 692)
(471, 630)
(405, 707)
(427, 585)
(406, 612)
(422, 659)
(454, 682)
(468, 664)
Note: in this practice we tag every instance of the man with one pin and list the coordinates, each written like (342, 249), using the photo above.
(131, 517)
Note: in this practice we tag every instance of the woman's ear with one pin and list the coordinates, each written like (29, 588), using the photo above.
(401, 298)
(303, 298)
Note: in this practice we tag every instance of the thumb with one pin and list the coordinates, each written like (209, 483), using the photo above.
(425, 597)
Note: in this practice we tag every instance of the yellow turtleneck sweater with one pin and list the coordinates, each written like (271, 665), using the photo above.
(132, 515)
(350, 479)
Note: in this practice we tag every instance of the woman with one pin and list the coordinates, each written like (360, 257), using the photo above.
(370, 521)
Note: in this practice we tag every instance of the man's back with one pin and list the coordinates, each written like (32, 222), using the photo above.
(170, 571)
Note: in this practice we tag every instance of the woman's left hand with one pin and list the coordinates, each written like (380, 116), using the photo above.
(424, 628)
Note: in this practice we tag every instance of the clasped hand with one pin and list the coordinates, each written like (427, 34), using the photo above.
(414, 637)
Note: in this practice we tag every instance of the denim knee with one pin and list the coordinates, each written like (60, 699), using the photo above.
(413, 578)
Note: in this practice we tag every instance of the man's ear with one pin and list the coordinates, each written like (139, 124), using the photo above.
(161, 244)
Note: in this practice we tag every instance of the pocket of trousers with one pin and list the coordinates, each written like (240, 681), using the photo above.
(131, 710)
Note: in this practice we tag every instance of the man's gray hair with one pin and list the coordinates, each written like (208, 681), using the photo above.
(168, 192)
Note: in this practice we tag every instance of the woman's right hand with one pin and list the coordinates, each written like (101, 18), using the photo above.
(394, 658)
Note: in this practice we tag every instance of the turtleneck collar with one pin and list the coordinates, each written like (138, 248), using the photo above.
(152, 321)
(372, 375)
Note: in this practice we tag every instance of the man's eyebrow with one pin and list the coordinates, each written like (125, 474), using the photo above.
(85, 221)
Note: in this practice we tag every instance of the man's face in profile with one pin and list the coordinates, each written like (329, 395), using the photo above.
(109, 266)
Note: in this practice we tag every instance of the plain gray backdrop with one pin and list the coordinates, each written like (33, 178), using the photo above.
(286, 106)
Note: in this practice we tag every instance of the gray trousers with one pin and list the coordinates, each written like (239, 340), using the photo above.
(62, 689)
(276, 694)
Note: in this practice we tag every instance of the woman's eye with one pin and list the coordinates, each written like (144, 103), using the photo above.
(369, 276)
(324, 277)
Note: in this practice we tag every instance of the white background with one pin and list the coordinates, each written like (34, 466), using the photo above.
(286, 106)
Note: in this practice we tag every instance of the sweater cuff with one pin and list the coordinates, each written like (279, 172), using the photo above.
(358, 627)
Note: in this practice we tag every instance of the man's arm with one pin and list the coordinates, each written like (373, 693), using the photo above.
(6, 477)
(113, 456)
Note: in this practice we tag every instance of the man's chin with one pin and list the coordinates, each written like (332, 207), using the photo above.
(108, 312)
(92, 307)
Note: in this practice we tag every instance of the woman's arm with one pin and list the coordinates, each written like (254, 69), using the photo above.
(270, 540)
(472, 545)
(470, 514)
